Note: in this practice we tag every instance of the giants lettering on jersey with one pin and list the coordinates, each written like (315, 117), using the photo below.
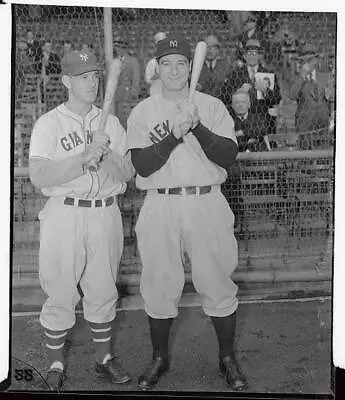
(73, 140)
(160, 131)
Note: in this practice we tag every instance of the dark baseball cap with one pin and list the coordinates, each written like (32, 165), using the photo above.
(253, 44)
(173, 44)
(78, 62)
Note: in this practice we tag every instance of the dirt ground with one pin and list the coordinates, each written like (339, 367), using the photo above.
(283, 347)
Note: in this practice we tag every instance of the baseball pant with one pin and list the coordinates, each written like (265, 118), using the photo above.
(79, 245)
(201, 225)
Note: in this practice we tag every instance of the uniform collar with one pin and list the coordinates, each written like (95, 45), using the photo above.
(90, 115)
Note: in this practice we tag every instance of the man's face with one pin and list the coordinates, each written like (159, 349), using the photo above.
(47, 47)
(240, 103)
(212, 52)
(84, 87)
(22, 46)
(174, 71)
(120, 50)
(249, 25)
(252, 57)
(67, 47)
(312, 63)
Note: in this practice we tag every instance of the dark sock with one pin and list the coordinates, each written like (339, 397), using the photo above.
(225, 331)
(159, 330)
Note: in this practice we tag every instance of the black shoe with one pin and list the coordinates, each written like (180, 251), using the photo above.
(153, 372)
(55, 379)
(112, 370)
(233, 376)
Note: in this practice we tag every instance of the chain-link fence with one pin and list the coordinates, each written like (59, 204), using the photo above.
(281, 195)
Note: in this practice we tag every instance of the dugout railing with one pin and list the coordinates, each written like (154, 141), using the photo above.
(284, 229)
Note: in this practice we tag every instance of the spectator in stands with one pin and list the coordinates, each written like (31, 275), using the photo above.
(51, 63)
(128, 87)
(264, 101)
(285, 41)
(151, 74)
(214, 70)
(86, 47)
(314, 93)
(21, 63)
(330, 95)
(34, 51)
(23, 60)
(250, 128)
(67, 48)
(251, 136)
(250, 31)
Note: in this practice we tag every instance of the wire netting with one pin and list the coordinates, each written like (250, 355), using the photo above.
(282, 199)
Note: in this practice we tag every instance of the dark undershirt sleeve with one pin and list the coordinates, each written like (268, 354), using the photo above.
(219, 149)
(150, 159)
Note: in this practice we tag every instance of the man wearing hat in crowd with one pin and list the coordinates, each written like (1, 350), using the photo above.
(250, 31)
(314, 93)
(214, 70)
(81, 234)
(151, 75)
(181, 150)
(128, 87)
(263, 99)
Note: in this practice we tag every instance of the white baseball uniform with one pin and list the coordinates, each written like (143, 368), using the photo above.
(78, 244)
(169, 224)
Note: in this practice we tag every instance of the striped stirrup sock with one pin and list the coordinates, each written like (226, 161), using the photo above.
(101, 336)
(55, 341)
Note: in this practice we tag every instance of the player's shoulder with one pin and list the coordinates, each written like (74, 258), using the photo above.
(143, 106)
(208, 100)
(48, 117)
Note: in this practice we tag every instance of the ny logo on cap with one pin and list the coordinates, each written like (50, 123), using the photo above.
(173, 43)
(84, 57)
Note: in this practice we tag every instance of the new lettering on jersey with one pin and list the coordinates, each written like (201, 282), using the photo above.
(187, 164)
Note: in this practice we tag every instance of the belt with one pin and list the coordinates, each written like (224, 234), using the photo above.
(186, 190)
(70, 201)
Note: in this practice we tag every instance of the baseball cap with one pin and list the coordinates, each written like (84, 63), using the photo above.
(253, 44)
(173, 44)
(120, 41)
(78, 62)
(307, 51)
(211, 40)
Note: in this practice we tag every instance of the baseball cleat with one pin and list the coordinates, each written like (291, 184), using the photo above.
(55, 379)
(153, 373)
(113, 371)
(233, 376)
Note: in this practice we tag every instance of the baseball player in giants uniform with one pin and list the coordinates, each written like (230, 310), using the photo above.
(180, 151)
(81, 234)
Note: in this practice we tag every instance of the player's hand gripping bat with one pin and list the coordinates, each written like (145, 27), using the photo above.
(113, 78)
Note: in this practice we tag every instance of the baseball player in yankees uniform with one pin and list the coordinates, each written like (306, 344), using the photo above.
(181, 151)
(81, 237)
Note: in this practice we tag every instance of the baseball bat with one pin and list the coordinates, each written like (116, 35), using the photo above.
(198, 62)
(113, 78)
